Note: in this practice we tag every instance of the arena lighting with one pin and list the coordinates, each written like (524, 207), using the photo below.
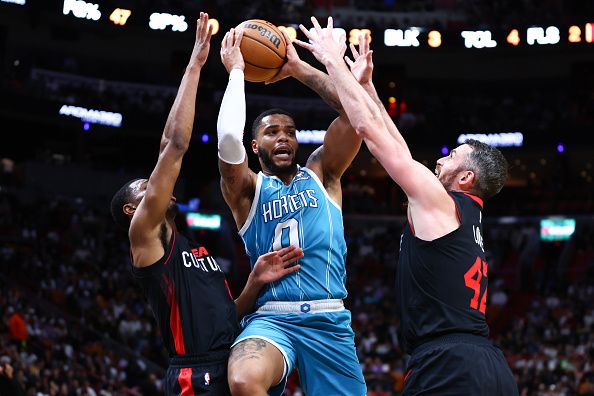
(445, 150)
(92, 116)
(478, 39)
(205, 138)
(315, 136)
(556, 229)
(401, 38)
(434, 39)
(203, 221)
(560, 148)
(215, 25)
(291, 31)
(81, 9)
(120, 16)
(160, 21)
(537, 35)
(354, 35)
(575, 34)
(505, 139)
(513, 37)
(19, 2)
(589, 32)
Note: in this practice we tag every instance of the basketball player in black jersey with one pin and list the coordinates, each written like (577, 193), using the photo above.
(185, 287)
(442, 274)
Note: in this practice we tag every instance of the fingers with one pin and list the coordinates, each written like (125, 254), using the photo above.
(237, 37)
(330, 24)
(349, 62)
(291, 269)
(303, 44)
(307, 33)
(278, 77)
(287, 38)
(289, 252)
(354, 50)
(316, 25)
(366, 42)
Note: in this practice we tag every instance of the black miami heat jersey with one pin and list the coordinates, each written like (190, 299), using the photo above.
(189, 296)
(442, 284)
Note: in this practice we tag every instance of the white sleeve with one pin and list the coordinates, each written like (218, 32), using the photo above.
(231, 120)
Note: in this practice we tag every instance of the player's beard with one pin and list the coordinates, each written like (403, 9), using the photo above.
(448, 179)
(272, 167)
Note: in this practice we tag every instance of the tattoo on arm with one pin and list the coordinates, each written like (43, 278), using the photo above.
(324, 88)
(248, 349)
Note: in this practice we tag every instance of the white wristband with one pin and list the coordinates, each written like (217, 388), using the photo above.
(231, 120)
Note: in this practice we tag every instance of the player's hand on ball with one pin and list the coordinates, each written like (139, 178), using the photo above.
(202, 43)
(322, 43)
(272, 266)
(291, 67)
(230, 51)
(362, 66)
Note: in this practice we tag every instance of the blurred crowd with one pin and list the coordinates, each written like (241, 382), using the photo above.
(75, 323)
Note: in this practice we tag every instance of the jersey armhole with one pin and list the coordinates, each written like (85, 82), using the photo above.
(159, 264)
(254, 206)
(457, 208)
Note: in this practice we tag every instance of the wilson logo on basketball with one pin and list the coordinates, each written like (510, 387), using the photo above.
(273, 38)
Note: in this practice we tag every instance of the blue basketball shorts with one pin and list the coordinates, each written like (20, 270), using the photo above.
(321, 346)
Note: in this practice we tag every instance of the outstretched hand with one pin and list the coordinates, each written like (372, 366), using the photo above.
(362, 65)
(230, 52)
(202, 43)
(272, 266)
(322, 43)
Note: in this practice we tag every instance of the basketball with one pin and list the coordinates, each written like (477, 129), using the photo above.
(263, 48)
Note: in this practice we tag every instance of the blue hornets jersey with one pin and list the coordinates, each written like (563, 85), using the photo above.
(304, 215)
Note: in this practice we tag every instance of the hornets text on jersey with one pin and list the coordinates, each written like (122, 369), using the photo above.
(301, 214)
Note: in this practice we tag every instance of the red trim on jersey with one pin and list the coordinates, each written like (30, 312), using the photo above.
(170, 250)
(407, 374)
(475, 199)
(457, 211)
(185, 382)
(229, 290)
(175, 319)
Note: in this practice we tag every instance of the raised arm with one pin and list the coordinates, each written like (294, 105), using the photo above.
(427, 197)
(150, 213)
(362, 68)
(341, 143)
(238, 182)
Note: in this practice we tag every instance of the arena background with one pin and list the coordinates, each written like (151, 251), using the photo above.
(519, 73)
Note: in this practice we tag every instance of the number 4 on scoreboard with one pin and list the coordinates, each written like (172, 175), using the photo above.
(472, 278)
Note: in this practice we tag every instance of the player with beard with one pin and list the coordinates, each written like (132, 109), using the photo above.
(299, 320)
(185, 287)
(442, 275)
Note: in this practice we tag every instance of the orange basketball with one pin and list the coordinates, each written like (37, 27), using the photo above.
(263, 48)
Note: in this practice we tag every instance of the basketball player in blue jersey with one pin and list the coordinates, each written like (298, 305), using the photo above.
(300, 320)
(442, 274)
(185, 287)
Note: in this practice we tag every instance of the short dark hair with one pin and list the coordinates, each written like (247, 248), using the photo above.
(121, 198)
(266, 113)
(489, 167)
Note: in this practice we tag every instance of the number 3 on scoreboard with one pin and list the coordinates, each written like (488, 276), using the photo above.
(472, 278)
(293, 226)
